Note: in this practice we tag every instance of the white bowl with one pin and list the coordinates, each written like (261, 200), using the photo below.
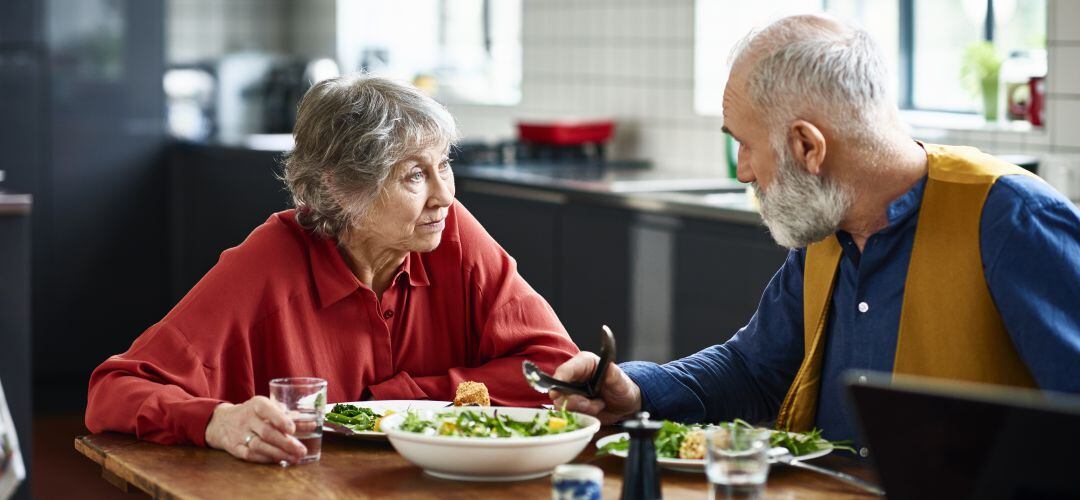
(489, 459)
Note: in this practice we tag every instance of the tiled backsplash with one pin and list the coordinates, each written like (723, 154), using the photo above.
(633, 60)
(201, 30)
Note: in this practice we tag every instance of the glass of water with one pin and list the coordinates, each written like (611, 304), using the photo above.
(736, 461)
(303, 399)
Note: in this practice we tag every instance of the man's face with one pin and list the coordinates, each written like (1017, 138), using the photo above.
(798, 207)
(757, 161)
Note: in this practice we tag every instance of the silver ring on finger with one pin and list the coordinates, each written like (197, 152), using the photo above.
(249, 438)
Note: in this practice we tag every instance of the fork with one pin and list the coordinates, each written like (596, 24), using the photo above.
(543, 382)
(784, 456)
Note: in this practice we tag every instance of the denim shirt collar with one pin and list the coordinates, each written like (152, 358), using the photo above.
(905, 206)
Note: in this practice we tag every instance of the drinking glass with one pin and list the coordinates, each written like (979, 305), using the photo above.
(736, 461)
(303, 399)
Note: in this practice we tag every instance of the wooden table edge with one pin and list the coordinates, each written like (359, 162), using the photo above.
(116, 472)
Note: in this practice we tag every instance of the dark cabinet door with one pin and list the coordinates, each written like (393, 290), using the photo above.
(20, 128)
(721, 271)
(528, 230)
(19, 22)
(595, 275)
(218, 196)
(100, 265)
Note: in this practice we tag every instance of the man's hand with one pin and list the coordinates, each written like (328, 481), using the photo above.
(256, 430)
(620, 397)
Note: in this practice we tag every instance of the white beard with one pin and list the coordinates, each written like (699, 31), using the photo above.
(800, 208)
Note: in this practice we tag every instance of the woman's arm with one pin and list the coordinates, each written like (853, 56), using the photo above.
(156, 390)
(163, 380)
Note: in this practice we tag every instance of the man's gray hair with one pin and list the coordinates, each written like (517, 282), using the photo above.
(350, 132)
(814, 65)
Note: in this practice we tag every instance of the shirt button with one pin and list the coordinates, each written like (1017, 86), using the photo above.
(863, 307)
(864, 452)
(388, 314)
(862, 379)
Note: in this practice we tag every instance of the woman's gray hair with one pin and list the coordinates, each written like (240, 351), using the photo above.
(350, 132)
(813, 63)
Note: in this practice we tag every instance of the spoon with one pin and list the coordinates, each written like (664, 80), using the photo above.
(782, 455)
(543, 382)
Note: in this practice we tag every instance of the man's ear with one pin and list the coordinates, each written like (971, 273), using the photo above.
(807, 145)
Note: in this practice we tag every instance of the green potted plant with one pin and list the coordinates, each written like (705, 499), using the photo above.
(980, 72)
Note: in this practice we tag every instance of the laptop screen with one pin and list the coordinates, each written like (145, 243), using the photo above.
(935, 439)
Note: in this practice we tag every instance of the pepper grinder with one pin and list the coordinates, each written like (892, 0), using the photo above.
(641, 473)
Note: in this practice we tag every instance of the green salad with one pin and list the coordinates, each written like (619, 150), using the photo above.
(469, 423)
(675, 440)
(355, 417)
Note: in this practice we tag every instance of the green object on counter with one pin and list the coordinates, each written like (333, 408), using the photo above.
(731, 149)
(980, 71)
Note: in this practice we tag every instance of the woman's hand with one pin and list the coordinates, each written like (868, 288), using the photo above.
(256, 430)
(620, 397)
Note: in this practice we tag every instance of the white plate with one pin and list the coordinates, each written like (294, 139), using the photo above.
(397, 405)
(687, 464)
(490, 459)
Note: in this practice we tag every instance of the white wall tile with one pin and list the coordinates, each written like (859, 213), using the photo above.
(1066, 19)
(1064, 73)
(1065, 122)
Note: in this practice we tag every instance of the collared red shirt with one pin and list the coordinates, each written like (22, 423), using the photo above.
(284, 303)
(1030, 250)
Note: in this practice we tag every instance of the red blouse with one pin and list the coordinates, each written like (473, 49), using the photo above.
(284, 303)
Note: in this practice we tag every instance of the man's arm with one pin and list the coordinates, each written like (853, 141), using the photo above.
(1031, 258)
(745, 377)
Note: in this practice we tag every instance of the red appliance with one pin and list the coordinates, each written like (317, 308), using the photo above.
(566, 132)
(1037, 105)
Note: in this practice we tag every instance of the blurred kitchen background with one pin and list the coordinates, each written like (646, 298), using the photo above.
(140, 139)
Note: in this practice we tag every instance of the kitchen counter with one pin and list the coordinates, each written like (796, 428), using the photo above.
(643, 190)
(631, 187)
(14, 204)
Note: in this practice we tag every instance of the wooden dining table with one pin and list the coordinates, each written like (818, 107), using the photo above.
(352, 468)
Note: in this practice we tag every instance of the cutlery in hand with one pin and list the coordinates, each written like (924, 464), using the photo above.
(543, 382)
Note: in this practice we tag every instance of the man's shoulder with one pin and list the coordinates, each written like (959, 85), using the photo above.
(1023, 195)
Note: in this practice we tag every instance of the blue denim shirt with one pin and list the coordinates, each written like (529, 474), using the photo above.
(1030, 243)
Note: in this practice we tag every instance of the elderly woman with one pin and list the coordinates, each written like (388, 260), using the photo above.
(378, 282)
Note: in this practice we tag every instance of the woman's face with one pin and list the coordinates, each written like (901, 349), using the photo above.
(410, 213)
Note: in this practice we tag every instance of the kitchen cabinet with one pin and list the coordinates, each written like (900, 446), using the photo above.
(218, 195)
(18, 24)
(574, 256)
(100, 270)
(528, 229)
(721, 269)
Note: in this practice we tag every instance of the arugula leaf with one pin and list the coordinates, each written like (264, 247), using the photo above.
(469, 423)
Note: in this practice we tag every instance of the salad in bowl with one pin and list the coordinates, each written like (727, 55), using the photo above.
(489, 443)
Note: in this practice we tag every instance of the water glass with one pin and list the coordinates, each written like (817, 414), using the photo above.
(736, 461)
(303, 400)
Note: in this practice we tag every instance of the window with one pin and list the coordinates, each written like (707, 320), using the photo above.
(463, 51)
(923, 41)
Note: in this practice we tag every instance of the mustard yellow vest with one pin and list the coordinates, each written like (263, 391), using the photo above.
(949, 327)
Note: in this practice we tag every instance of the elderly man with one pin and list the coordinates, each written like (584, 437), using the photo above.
(905, 257)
